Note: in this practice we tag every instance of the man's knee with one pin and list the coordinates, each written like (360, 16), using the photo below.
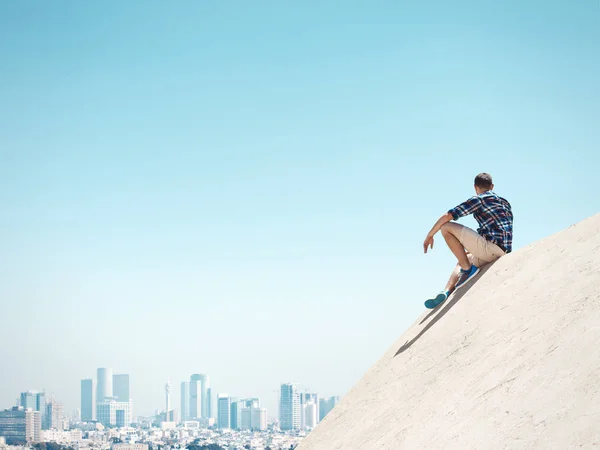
(451, 228)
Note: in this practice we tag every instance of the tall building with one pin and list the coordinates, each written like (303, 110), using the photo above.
(88, 400)
(200, 396)
(223, 411)
(289, 407)
(206, 396)
(114, 414)
(20, 426)
(305, 398)
(246, 418)
(120, 390)
(309, 415)
(258, 420)
(200, 403)
(105, 385)
(54, 416)
(195, 397)
(326, 405)
(28, 400)
(236, 414)
(253, 402)
(185, 401)
(35, 401)
(209, 402)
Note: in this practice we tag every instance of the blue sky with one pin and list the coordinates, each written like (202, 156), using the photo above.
(243, 188)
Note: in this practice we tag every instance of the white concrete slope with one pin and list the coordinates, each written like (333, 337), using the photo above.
(512, 361)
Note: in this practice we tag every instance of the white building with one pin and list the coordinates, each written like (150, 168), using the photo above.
(307, 397)
(193, 424)
(54, 416)
(114, 414)
(309, 415)
(129, 447)
(259, 419)
(105, 384)
(200, 403)
(195, 387)
(59, 436)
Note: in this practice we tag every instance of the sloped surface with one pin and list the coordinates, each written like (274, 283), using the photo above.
(511, 362)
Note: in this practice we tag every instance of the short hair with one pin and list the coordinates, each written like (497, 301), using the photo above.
(483, 181)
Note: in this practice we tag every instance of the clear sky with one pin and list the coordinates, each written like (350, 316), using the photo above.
(242, 188)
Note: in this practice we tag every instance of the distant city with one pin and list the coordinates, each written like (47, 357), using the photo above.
(105, 418)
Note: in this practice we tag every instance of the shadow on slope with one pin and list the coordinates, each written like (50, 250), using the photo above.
(445, 307)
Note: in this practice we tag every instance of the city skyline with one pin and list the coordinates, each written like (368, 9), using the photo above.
(243, 189)
(107, 413)
(90, 391)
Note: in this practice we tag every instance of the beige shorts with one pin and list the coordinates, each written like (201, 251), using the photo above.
(479, 250)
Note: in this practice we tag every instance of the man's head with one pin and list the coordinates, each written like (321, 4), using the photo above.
(483, 183)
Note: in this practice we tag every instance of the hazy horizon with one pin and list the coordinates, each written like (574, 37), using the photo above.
(243, 189)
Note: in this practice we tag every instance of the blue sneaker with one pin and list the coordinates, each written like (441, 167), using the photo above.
(466, 275)
(438, 300)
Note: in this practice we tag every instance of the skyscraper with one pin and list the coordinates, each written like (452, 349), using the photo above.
(185, 401)
(246, 418)
(121, 387)
(259, 419)
(88, 400)
(105, 384)
(289, 407)
(54, 416)
(206, 396)
(326, 405)
(35, 401)
(209, 402)
(305, 398)
(236, 414)
(309, 415)
(29, 400)
(195, 397)
(200, 396)
(224, 411)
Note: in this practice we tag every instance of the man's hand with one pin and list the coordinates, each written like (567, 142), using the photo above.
(428, 242)
(438, 225)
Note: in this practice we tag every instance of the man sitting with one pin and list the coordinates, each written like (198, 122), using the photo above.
(492, 240)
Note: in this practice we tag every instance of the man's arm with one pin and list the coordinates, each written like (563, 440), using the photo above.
(462, 210)
(436, 227)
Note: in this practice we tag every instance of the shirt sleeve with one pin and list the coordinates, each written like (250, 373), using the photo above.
(465, 208)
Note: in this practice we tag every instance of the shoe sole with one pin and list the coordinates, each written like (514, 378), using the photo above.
(458, 286)
(435, 302)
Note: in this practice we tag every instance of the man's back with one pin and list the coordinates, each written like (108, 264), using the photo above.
(494, 216)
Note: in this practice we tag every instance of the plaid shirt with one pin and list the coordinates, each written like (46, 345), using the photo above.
(494, 216)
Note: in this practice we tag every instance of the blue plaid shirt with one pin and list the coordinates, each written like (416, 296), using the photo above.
(494, 216)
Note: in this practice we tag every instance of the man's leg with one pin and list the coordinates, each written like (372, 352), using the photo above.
(449, 289)
(451, 232)
(453, 279)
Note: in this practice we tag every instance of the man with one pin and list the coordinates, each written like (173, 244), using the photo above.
(492, 240)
